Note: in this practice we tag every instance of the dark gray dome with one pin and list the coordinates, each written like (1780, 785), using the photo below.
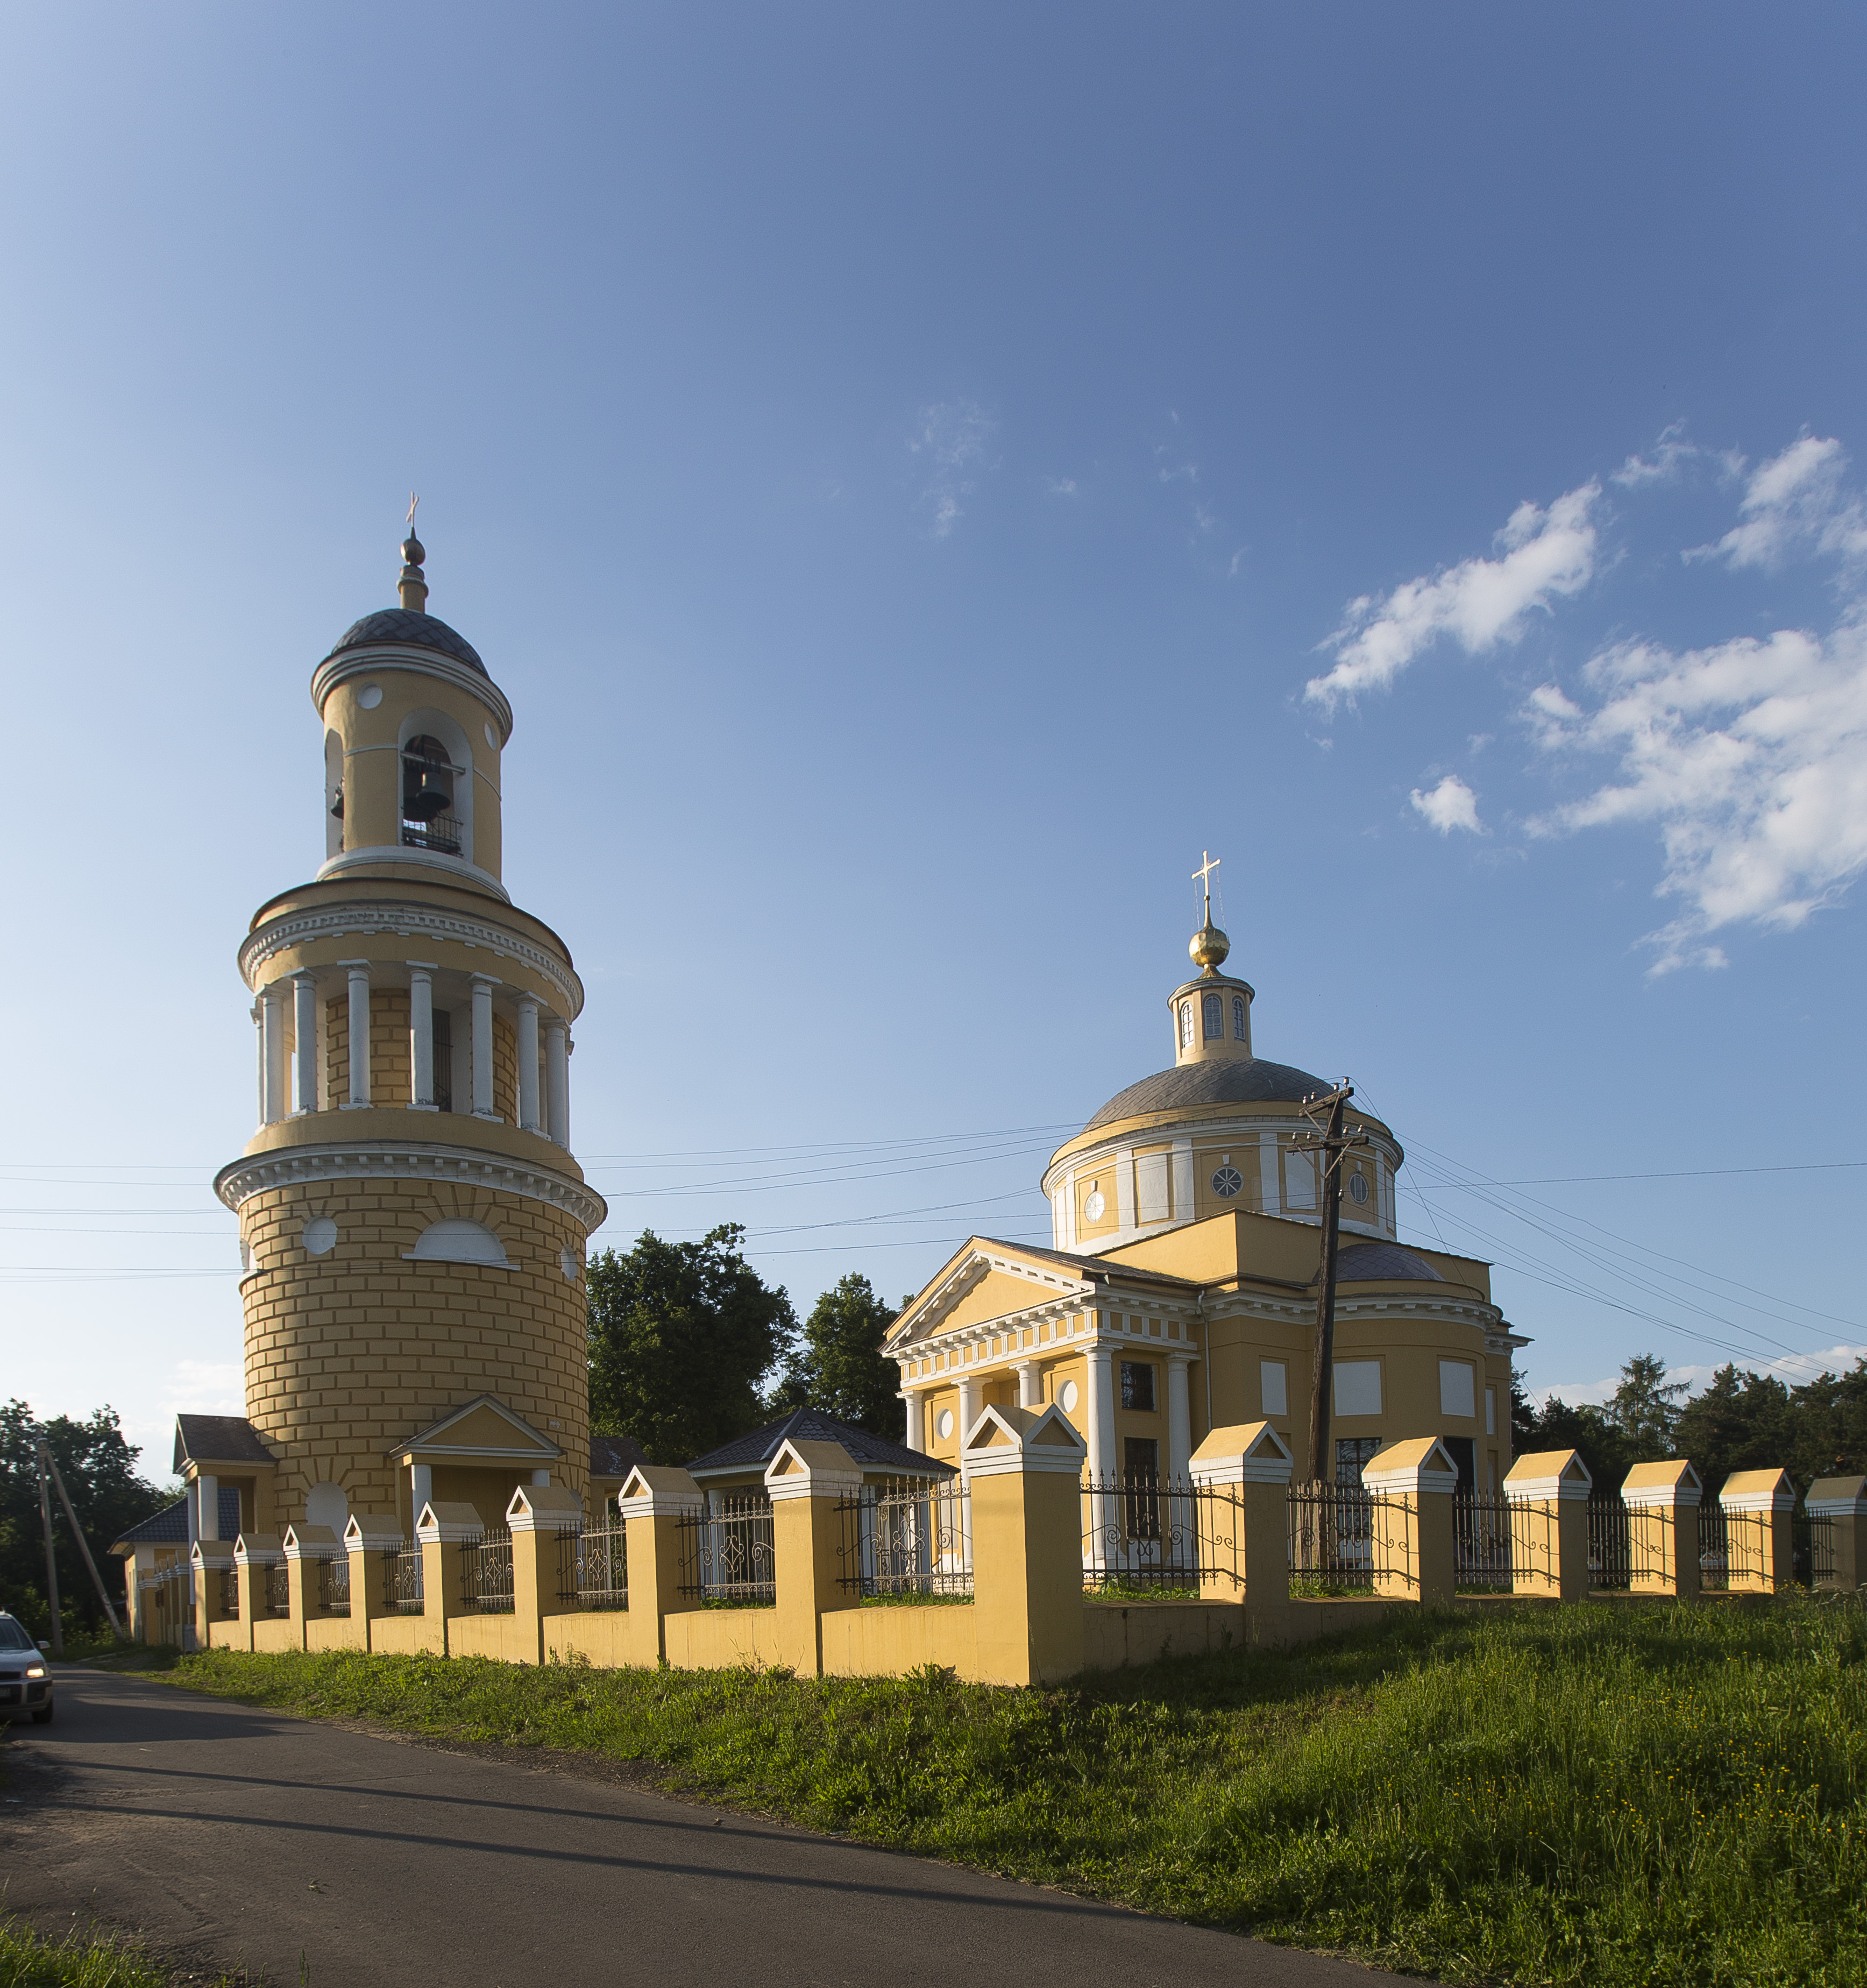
(1383, 1262)
(403, 624)
(1255, 1082)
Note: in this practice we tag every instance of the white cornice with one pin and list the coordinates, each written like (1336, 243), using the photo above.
(1159, 1127)
(291, 1166)
(406, 919)
(421, 662)
(421, 859)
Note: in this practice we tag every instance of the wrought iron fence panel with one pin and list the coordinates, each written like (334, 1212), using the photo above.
(1482, 1533)
(1610, 1550)
(278, 1588)
(1535, 1541)
(593, 1567)
(727, 1553)
(334, 1584)
(1142, 1532)
(403, 1583)
(906, 1536)
(1714, 1548)
(1812, 1540)
(1342, 1535)
(486, 1573)
(229, 1578)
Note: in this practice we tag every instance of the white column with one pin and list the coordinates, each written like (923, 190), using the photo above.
(1101, 1415)
(916, 1420)
(1179, 1418)
(970, 1404)
(273, 1102)
(557, 1084)
(421, 1036)
(483, 985)
(540, 1478)
(208, 1494)
(304, 1039)
(527, 1064)
(359, 970)
(259, 1046)
(1030, 1384)
(421, 1488)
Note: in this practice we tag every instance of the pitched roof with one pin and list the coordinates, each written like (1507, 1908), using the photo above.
(744, 1452)
(614, 1456)
(405, 624)
(169, 1527)
(1096, 1269)
(218, 1439)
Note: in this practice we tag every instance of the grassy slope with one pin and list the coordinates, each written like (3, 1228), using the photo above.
(28, 1961)
(1592, 1794)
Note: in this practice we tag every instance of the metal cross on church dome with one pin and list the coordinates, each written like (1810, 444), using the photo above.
(1204, 873)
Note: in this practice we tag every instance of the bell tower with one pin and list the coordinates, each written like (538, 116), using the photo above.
(413, 1222)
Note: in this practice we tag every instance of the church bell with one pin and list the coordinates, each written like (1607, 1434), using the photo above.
(426, 796)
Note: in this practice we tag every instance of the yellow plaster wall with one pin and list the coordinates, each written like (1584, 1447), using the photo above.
(890, 1642)
(610, 1638)
(406, 1636)
(503, 1637)
(720, 1639)
(337, 1632)
(1115, 1636)
(273, 1634)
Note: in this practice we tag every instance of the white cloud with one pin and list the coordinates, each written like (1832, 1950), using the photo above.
(1450, 805)
(953, 435)
(1794, 1370)
(1480, 602)
(1662, 466)
(1794, 501)
(1060, 486)
(1751, 757)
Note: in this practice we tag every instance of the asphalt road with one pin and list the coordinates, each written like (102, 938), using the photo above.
(230, 1836)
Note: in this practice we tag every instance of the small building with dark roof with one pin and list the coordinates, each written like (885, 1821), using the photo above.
(741, 1464)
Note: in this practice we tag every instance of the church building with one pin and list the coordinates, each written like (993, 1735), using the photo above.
(1179, 1292)
(412, 1221)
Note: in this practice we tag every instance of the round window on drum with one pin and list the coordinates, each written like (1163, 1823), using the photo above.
(1226, 1182)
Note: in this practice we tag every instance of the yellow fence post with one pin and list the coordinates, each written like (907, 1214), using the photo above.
(540, 1516)
(256, 1554)
(1413, 1553)
(368, 1538)
(1023, 1470)
(1663, 1529)
(1759, 1542)
(806, 1482)
(307, 1548)
(1842, 1501)
(446, 1532)
(1548, 1490)
(1241, 1491)
(652, 1504)
(212, 1560)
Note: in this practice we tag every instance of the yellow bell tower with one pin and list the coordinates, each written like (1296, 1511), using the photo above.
(413, 1223)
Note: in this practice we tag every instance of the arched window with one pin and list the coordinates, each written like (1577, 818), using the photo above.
(1240, 1032)
(458, 1242)
(428, 817)
(1186, 1025)
(1215, 1018)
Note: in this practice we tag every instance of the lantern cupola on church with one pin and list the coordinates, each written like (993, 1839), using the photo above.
(412, 1220)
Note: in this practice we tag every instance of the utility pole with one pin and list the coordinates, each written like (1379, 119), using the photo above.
(52, 1563)
(48, 1462)
(1329, 1147)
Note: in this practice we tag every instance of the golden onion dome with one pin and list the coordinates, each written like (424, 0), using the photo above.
(1208, 947)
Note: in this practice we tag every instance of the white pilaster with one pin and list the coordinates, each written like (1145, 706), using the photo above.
(1179, 1417)
(970, 1404)
(259, 1047)
(304, 1045)
(483, 986)
(421, 1036)
(273, 1102)
(421, 1488)
(1030, 1384)
(528, 1063)
(207, 1498)
(358, 971)
(916, 1420)
(1101, 1411)
(557, 1084)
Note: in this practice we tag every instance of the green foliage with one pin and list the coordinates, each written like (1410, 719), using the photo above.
(1612, 1796)
(28, 1960)
(680, 1334)
(98, 1467)
(837, 1365)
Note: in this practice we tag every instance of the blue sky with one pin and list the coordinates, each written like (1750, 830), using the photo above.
(923, 478)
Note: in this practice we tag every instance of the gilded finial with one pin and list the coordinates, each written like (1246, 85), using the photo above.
(413, 585)
(1208, 945)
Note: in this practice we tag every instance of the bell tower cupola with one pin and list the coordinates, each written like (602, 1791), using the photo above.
(1212, 1014)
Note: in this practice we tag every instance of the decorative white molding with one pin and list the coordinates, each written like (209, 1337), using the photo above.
(367, 660)
(424, 859)
(238, 1182)
(407, 920)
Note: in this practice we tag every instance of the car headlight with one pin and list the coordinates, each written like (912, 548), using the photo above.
(35, 1670)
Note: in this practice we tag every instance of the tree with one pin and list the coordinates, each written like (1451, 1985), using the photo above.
(680, 1334)
(1645, 1407)
(98, 1467)
(839, 1365)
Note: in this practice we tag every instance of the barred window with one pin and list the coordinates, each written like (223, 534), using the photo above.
(1215, 1018)
(1186, 1025)
(1239, 1033)
(1137, 1385)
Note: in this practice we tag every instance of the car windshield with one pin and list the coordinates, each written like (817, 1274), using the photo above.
(13, 1637)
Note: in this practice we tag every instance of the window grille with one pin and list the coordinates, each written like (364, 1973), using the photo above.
(1186, 1025)
(1137, 1385)
(1240, 1032)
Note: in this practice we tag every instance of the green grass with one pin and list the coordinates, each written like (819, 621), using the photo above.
(1588, 1794)
(28, 1960)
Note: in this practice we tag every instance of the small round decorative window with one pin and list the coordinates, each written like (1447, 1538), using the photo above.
(944, 1427)
(1227, 1182)
(1067, 1399)
(1357, 1187)
(320, 1236)
(1096, 1207)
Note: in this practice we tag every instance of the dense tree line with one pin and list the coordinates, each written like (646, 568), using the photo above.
(1742, 1420)
(690, 1347)
(100, 1471)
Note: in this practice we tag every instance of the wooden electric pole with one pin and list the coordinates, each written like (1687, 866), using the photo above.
(52, 1560)
(1328, 1145)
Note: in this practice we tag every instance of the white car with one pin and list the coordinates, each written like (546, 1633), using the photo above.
(25, 1680)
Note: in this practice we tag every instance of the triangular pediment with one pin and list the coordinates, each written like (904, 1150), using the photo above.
(984, 1281)
(484, 1427)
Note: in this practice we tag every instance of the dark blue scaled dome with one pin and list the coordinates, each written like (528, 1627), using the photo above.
(403, 624)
